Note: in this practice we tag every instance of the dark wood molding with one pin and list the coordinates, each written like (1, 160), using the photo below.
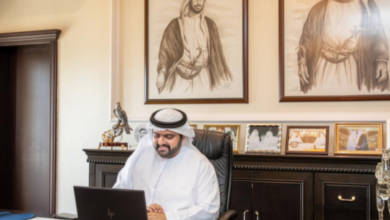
(53, 124)
(29, 38)
(306, 163)
(107, 156)
(303, 169)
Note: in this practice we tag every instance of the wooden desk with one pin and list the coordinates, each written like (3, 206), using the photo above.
(279, 186)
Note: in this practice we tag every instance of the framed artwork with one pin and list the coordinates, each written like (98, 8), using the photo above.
(362, 139)
(196, 51)
(307, 139)
(265, 138)
(334, 50)
(139, 131)
(232, 129)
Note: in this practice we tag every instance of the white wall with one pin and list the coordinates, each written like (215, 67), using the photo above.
(83, 83)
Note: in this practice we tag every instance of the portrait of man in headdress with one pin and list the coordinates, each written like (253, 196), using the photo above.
(342, 47)
(195, 48)
(191, 51)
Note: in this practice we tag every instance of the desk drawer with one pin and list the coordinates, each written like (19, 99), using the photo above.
(344, 196)
(346, 200)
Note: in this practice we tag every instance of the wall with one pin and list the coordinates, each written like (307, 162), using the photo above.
(83, 83)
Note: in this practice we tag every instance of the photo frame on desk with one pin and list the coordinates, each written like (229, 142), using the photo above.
(263, 138)
(213, 70)
(139, 131)
(232, 129)
(314, 68)
(359, 139)
(307, 140)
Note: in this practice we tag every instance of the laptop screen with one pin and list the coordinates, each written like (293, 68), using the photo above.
(111, 204)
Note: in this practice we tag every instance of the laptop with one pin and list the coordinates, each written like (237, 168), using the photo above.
(109, 204)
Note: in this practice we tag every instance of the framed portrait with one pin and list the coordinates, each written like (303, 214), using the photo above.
(264, 138)
(307, 139)
(196, 51)
(334, 50)
(361, 139)
(139, 131)
(232, 129)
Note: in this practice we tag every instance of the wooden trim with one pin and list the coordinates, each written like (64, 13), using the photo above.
(281, 51)
(53, 126)
(29, 37)
(303, 169)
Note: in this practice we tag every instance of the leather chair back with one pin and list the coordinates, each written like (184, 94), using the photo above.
(217, 147)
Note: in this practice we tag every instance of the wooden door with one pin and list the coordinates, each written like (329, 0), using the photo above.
(6, 128)
(29, 116)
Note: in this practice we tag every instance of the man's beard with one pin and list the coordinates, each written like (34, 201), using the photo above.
(197, 8)
(171, 151)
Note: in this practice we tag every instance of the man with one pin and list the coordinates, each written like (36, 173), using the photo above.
(295, 140)
(191, 55)
(343, 47)
(362, 141)
(179, 182)
(268, 141)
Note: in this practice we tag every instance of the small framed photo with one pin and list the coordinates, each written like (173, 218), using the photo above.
(265, 138)
(232, 129)
(139, 131)
(361, 139)
(307, 139)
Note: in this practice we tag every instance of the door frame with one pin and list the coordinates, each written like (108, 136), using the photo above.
(43, 37)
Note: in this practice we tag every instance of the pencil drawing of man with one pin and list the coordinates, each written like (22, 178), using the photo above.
(343, 46)
(191, 55)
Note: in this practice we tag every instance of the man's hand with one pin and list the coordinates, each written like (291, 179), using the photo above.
(155, 212)
(156, 216)
(381, 71)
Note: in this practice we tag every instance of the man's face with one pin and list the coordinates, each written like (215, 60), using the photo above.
(197, 5)
(167, 143)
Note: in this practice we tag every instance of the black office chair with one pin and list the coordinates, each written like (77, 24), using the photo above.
(217, 147)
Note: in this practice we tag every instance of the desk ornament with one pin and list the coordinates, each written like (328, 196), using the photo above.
(121, 124)
(382, 174)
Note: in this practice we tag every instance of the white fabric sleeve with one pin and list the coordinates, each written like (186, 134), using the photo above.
(206, 197)
(124, 179)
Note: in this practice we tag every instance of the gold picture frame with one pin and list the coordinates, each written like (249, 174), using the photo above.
(359, 138)
(232, 129)
(194, 125)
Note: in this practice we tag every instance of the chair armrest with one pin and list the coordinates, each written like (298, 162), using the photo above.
(230, 214)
